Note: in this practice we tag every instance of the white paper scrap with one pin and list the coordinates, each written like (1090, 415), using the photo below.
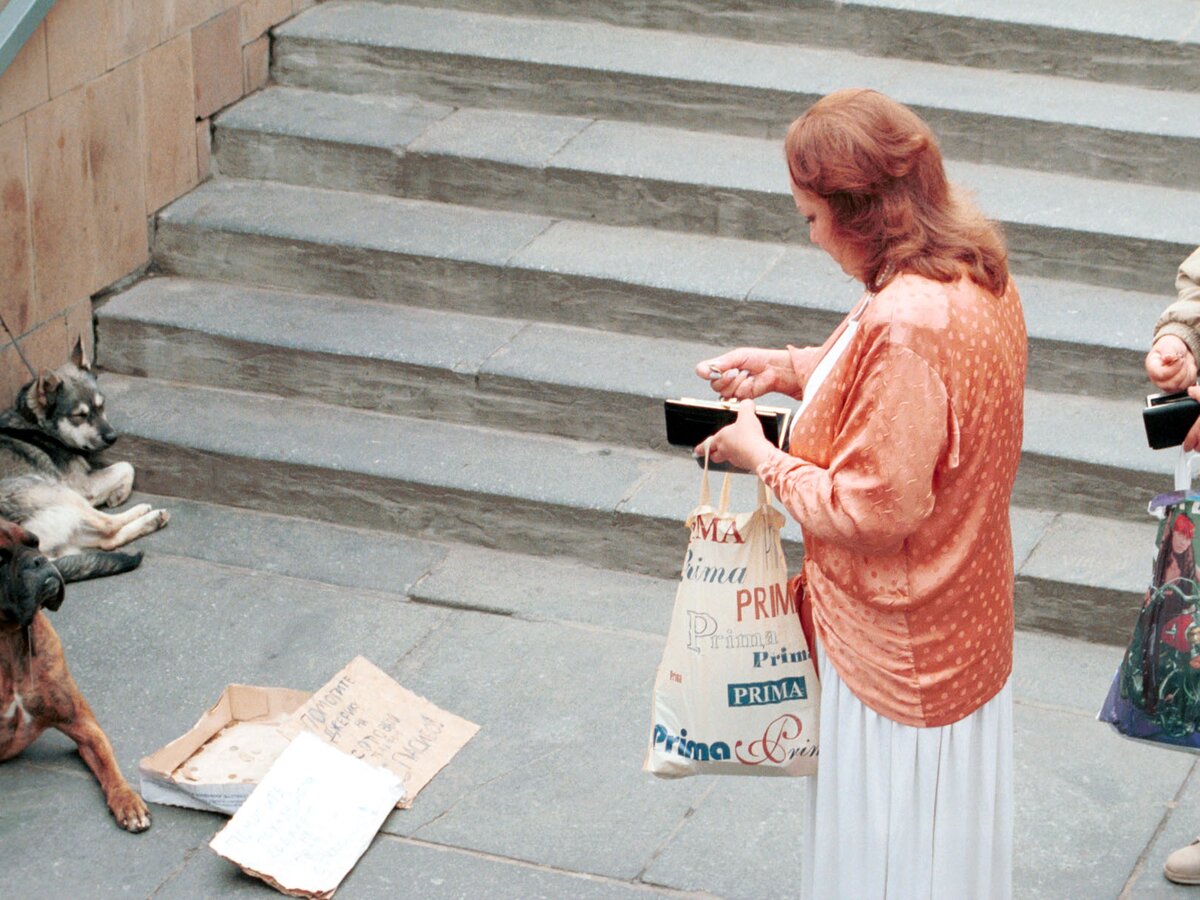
(310, 819)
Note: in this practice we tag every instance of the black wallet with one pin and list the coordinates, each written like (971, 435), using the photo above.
(1168, 418)
(690, 422)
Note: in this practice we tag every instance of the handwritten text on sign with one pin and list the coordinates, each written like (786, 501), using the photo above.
(364, 712)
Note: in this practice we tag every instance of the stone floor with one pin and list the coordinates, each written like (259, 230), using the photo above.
(555, 663)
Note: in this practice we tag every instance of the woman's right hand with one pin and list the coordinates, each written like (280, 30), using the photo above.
(1170, 364)
(747, 372)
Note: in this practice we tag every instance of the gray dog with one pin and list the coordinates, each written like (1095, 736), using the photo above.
(48, 482)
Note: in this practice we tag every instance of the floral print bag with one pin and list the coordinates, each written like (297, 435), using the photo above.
(1155, 694)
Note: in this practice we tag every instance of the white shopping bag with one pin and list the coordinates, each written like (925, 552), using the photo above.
(737, 691)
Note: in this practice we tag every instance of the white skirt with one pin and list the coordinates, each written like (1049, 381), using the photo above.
(904, 813)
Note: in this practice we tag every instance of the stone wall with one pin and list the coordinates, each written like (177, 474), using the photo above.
(104, 120)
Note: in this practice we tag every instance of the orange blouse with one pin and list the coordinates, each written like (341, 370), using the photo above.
(900, 473)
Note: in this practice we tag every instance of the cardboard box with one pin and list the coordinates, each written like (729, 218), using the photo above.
(221, 759)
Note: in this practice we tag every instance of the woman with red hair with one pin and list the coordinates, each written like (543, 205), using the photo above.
(899, 470)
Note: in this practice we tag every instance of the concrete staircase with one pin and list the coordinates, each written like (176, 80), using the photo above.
(457, 255)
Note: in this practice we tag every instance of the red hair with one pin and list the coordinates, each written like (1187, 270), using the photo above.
(878, 166)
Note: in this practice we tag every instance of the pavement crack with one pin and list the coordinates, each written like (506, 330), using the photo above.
(590, 877)
(479, 787)
(462, 606)
(679, 826)
(177, 870)
(1139, 867)
(1046, 529)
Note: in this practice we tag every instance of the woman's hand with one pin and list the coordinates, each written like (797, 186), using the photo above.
(743, 444)
(748, 372)
(1170, 364)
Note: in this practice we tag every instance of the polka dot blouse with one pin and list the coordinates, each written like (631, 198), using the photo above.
(899, 474)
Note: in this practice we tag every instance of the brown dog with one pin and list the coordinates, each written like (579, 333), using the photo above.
(36, 690)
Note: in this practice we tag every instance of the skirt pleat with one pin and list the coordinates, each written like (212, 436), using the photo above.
(903, 813)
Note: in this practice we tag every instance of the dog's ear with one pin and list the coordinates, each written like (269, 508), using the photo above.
(13, 535)
(45, 389)
(79, 356)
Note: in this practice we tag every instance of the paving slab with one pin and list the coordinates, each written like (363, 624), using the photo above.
(394, 867)
(1084, 550)
(1102, 41)
(1088, 800)
(1088, 803)
(1180, 829)
(384, 223)
(706, 82)
(625, 173)
(335, 555)
(758, 819)
(405, 360)
(522, 139)
(617, 508)
(372, 121)
(527, 808)
(554, 774)
(58, 839)
(342, 326)
(683, 287)
(548, 589)
(186, 628)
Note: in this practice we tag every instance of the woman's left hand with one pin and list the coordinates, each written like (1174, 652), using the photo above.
(741, 444)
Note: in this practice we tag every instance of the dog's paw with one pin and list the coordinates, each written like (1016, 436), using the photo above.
(161, 518)
(118, 495)
(123, 472)
(130, 810)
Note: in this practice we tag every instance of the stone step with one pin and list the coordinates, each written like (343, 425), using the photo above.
(708, 83)
(611, 507)
(454, 576)
(715, 291)
(1154, 45)
(474, 370)
(538, 378)
(464, 576)
(512, 374)
(624, 173)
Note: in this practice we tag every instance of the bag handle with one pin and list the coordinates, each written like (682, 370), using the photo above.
(1183, 469)
(705, 494)
(764, 495)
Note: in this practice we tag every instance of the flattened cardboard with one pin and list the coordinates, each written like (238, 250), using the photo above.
(367, 714)
(165, 776)
(310, 819)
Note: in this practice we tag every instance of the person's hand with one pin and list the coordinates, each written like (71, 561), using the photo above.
(1170, 364)
(743, 444)
(747, 372)
(1192, 441)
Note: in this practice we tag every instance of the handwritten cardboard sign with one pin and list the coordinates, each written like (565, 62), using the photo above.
(365, 713)
(309, 820)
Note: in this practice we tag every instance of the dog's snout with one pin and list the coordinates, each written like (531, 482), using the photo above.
(109, 437)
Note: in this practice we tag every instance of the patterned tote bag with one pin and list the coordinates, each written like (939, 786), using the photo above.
(1155, 694)
(736, 692)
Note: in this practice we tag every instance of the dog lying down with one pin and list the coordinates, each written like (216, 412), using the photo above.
(36, 689)
(48, 485)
